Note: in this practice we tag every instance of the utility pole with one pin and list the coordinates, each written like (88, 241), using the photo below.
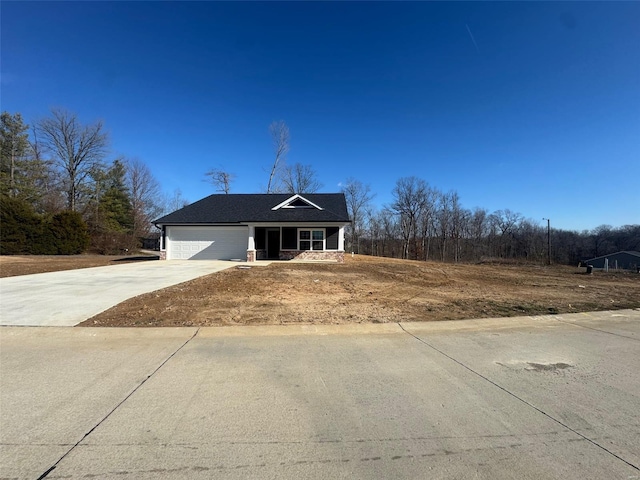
(548, 240)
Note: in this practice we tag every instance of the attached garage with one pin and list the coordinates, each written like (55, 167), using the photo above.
(206, 243)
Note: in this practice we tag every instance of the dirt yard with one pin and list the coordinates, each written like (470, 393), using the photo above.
(14, 265)
(378, 290)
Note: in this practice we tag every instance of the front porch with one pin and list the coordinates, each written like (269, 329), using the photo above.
(296, 242)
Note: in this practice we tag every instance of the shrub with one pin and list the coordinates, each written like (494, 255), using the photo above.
(23, 231)
(69, 233)
(20, 227)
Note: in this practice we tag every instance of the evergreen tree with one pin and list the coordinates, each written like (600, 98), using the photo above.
(110, 214)
(68, 233)
(20, 227)
(24, 173)
(14, 143)
(115, 203)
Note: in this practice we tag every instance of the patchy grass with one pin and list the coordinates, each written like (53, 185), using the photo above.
(377, 290)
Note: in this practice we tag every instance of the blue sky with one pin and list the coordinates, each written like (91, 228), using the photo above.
(530, 106)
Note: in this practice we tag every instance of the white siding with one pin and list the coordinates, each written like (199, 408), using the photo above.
(207, 243)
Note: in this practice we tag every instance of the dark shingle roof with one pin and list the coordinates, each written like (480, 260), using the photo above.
(628, 252)
(234, 208)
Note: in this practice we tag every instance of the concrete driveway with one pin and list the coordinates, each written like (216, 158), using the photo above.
(528, 398)
(70, 297)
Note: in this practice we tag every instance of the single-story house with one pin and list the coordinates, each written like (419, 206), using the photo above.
(256, 227)
(623, 260)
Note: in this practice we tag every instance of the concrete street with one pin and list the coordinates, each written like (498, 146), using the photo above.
(69, 297)
(528, 398)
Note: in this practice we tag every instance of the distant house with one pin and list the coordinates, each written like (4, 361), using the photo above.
(256, 227)
(623, 260)
(151, 241)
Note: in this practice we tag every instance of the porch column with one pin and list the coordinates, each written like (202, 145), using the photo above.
(251, 247)
(162, 254)
(341, 239)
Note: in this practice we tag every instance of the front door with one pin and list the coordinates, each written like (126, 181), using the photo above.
(273, 243)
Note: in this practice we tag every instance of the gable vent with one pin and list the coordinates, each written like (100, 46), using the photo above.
(297, 201)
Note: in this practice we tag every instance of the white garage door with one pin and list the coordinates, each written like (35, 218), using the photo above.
(207, 243)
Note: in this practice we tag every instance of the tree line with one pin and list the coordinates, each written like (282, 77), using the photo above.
(425, 223)
(59, 193)
(56, 173)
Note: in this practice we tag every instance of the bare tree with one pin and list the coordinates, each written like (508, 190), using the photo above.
(358, 197)
(601, 239)
(174, 202)
(44, 179)
(459, 225)
(410, 194)
(427, 219)
(478, 231)
(390, 231)
(506, 222)
(280, 137)
(220, 179)
(300, 178)
(452, 222)
(145, 196)
(75, 148)
(375, 231)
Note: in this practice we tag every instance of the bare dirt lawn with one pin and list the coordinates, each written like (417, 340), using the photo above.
(14, 265)
(371, 289)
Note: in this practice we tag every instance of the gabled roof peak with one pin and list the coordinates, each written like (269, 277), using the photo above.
(296, 201)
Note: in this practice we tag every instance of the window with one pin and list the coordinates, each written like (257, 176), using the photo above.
(305, 239)
(311, 239)
(318, 239)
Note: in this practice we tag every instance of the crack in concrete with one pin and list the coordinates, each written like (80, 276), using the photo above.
(50, 469)
(440, 452)
(593, 442)
(195, 445)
